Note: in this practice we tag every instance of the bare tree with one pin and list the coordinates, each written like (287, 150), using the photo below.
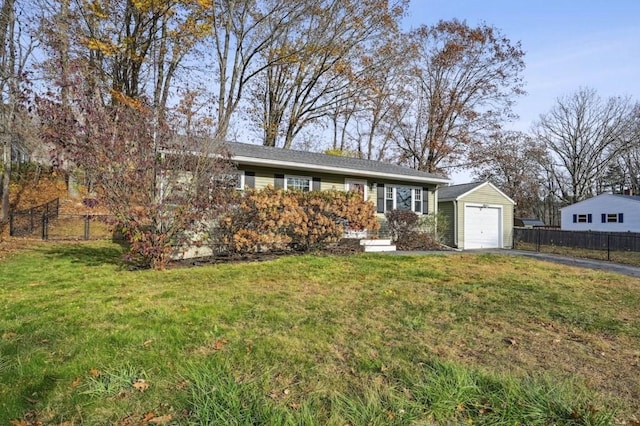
(583, 133)
(244, 31)
(15, 52)
(381, 91)
(317, 64)
(513, 162)
(624, 172)
(465, 82)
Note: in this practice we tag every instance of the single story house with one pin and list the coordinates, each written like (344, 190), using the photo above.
(605, 212)
(388, 186)
(528, 222)
(478, 214)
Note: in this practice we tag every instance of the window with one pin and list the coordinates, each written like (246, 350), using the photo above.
(359, 186)
(389, 204)
(239, 179)
(612, 218)
(582, 218)
(417, 200)
(298, 183)
(403, 198)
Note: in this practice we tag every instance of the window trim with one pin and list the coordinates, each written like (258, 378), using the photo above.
(612, 218)
(394, 198)
(582, 218)
(286, 182)
(240, 185)
(348, 181)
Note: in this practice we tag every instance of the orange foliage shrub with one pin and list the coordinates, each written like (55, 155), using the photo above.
(277, 220)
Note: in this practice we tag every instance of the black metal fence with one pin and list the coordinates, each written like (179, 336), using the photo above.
(33, 221)
(81, 227)
(45, 222)
(589, 240)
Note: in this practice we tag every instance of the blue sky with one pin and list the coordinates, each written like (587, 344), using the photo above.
(568, 44)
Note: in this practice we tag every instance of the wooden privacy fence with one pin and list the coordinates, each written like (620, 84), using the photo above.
(590, 240)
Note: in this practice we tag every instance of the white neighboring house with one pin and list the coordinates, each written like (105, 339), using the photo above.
(605, 212)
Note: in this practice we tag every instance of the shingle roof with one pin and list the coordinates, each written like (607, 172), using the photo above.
(449, 193)
(531, 221)
(631, 197)
(245, 153)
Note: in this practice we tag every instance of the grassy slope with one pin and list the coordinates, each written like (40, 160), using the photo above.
(363, 339)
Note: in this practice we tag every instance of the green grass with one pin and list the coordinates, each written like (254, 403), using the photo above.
(367, 339)
(625, 257)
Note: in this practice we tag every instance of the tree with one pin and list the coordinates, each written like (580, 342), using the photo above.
(243, 32)
(15, 53)
(317, 64)
(129, 47)
(623, 174)
(364, 118)
(162, 199)
(513, 162)
(583, 133)
(464, 83)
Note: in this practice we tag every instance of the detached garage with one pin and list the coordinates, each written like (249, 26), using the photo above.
(478, 214)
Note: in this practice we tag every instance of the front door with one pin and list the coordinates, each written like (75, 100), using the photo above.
(356, 185)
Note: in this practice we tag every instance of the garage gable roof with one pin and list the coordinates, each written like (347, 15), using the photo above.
(456, 192)
(259, 155)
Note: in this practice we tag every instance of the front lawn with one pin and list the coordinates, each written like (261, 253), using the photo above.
(365, 339)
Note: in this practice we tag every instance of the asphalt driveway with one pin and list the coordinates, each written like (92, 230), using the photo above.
(632, 271)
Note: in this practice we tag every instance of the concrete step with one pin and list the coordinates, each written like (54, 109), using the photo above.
(372, 249)
(380, 242)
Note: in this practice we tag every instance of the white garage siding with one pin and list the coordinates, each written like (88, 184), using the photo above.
(482, 226)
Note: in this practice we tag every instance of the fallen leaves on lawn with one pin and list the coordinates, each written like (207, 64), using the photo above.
(183, 385)
(161, 420)
(95, 373)
(140, 385)
(148, 418)
(220, 344)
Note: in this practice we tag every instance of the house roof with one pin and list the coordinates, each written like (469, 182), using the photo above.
(530, 221)
(629, 197)
(453, 192)
(456, 192)
(614, 196)
(257, 155)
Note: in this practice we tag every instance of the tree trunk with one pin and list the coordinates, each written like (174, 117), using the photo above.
(8, 86)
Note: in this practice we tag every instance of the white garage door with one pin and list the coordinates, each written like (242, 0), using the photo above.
(482, 227)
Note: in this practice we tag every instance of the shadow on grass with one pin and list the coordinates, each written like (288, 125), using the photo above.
(87, 254)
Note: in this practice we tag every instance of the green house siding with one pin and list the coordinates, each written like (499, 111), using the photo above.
(487, 195)
(266, 176)
(483, 195)
(446, 209)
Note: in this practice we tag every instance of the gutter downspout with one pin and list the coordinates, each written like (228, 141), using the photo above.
(455, 223)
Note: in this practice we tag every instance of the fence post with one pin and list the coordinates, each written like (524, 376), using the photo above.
(86, 227)
(11, 224)
(45, 225)
(538, 245)
(609, 247)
